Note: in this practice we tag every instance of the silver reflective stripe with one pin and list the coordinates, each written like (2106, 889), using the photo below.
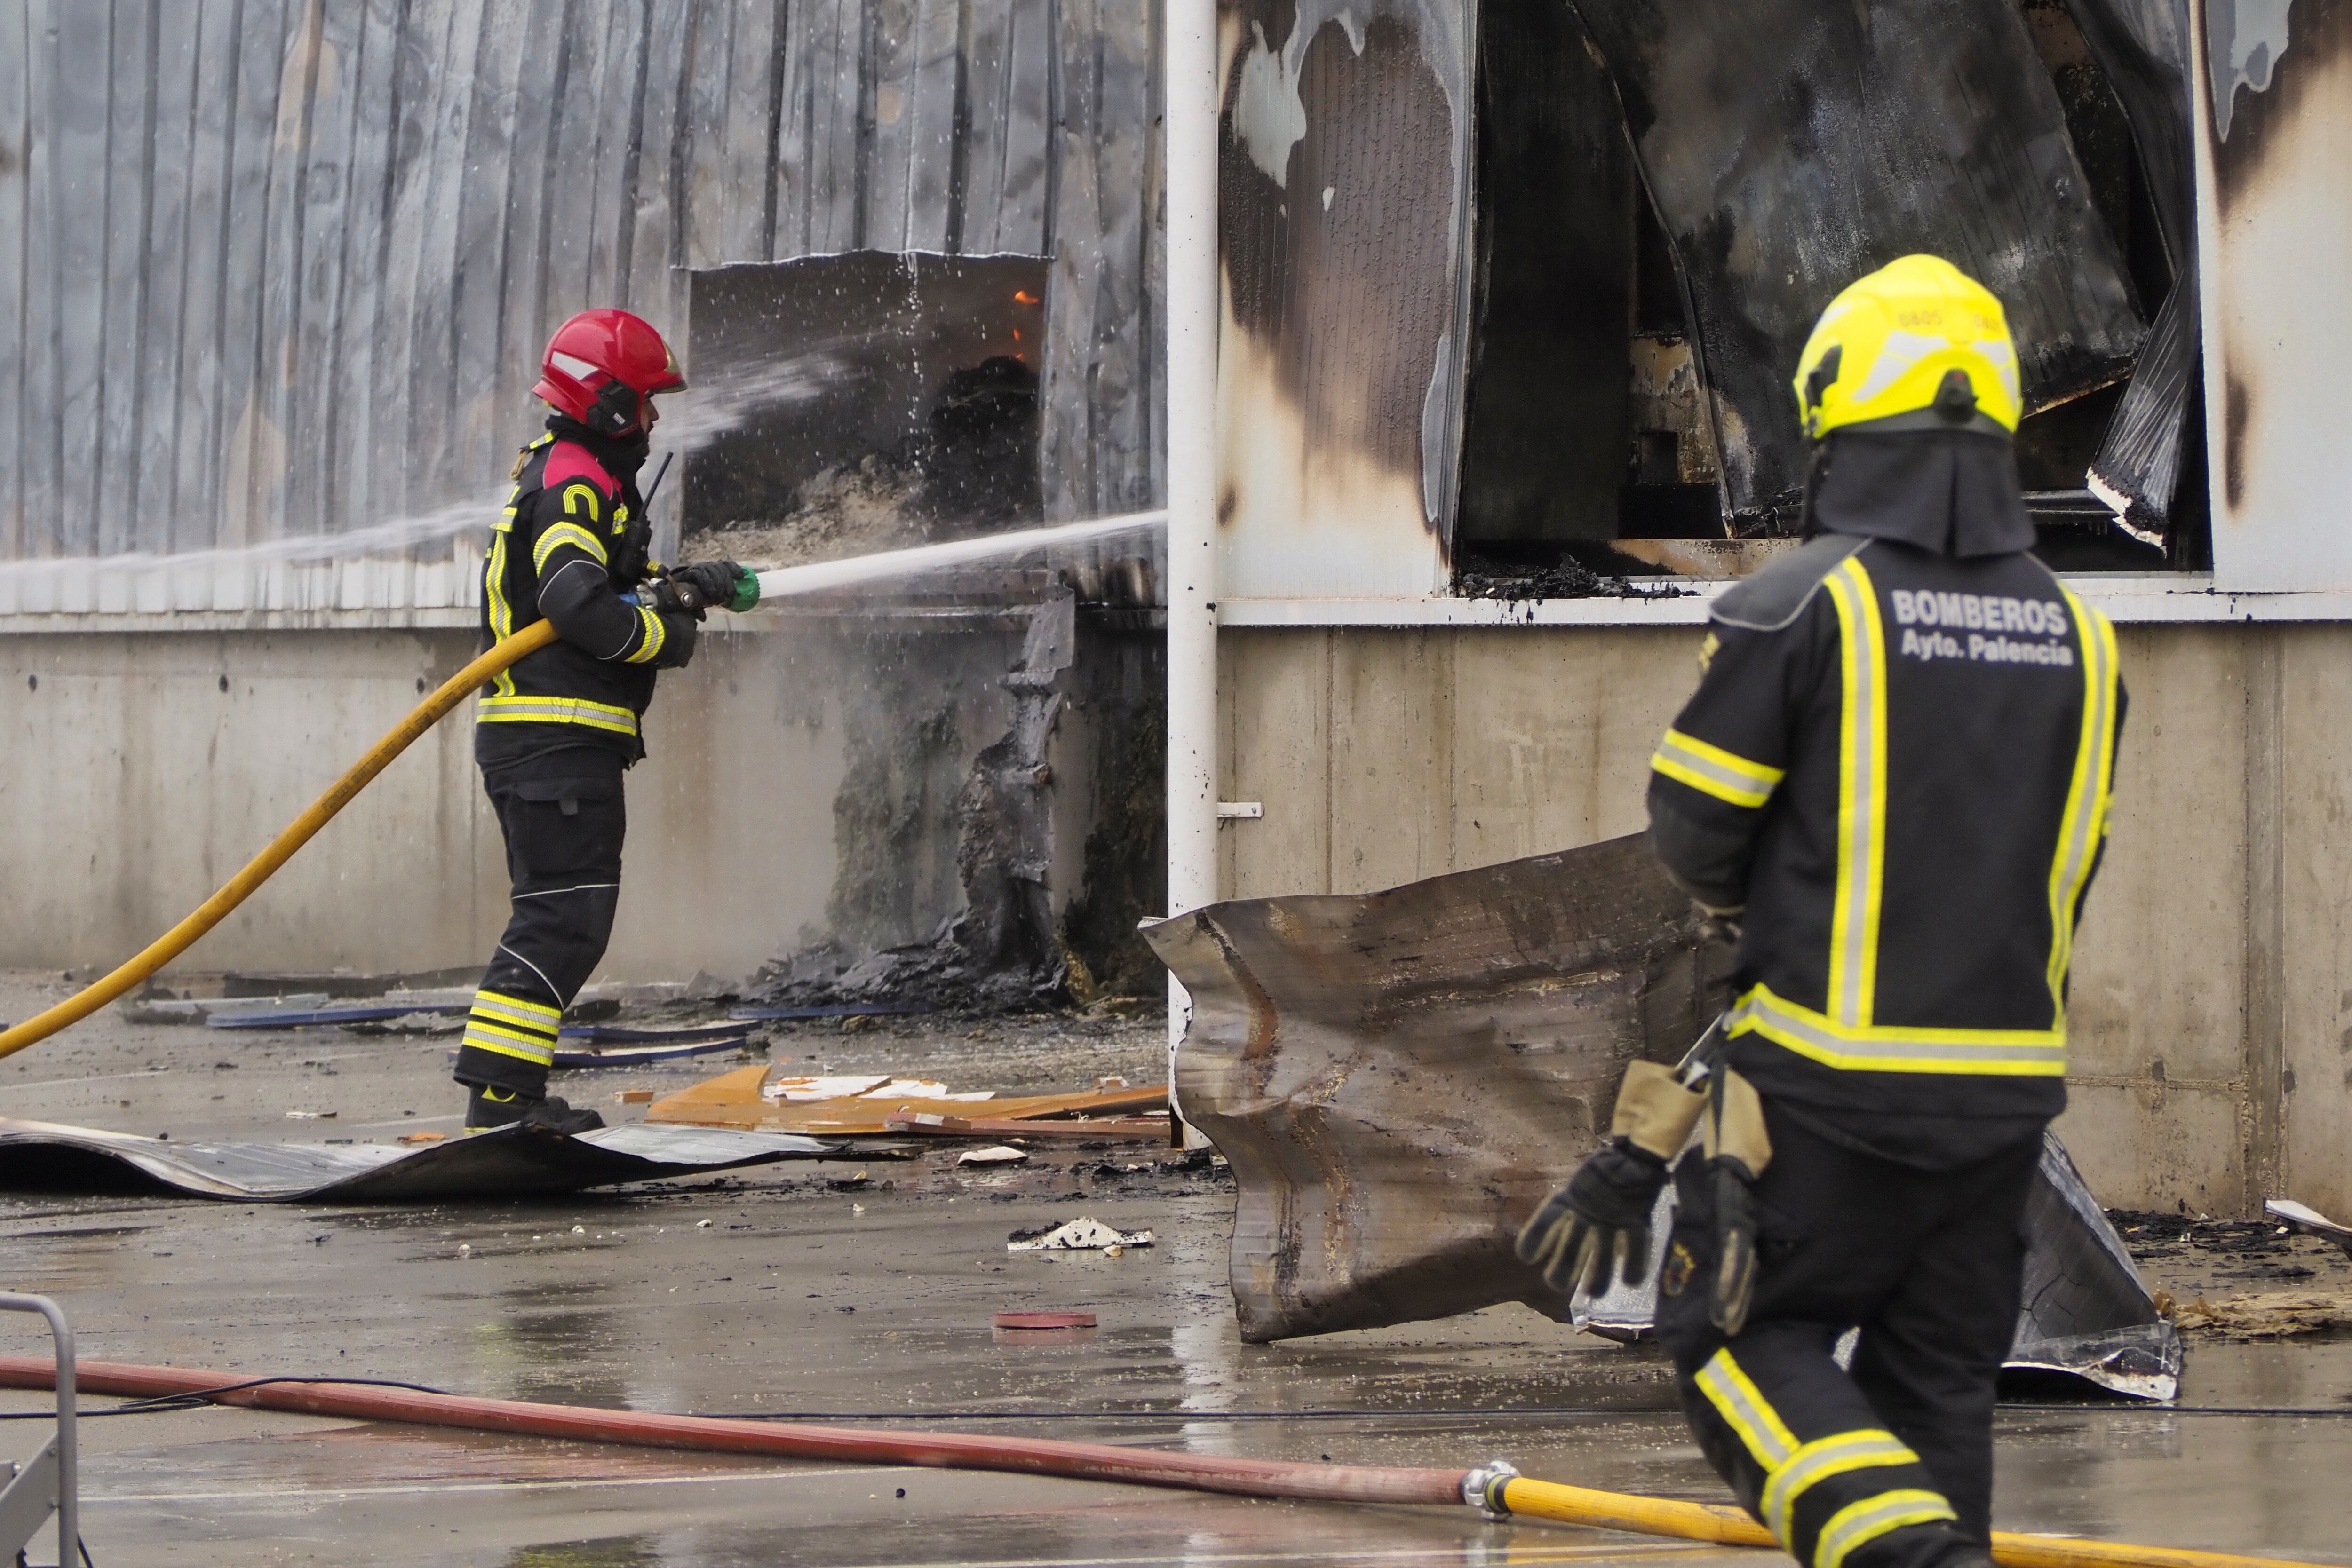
(1855, 1527)
(2025, 1051)
(1819, 1460)
(1736, 1399)
(555, 710)
(1739, 781)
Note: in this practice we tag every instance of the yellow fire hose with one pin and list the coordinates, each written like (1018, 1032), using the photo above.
(261, 867)
(1729, 1526)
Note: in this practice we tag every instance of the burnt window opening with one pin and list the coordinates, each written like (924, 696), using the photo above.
(863, 401)
(1588, 440)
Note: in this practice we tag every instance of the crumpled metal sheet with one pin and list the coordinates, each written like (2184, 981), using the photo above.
(1399, 1078)
(2086, 1309)
(1791, 146)
(511, 1162)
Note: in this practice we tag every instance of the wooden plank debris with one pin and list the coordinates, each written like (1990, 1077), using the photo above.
(865, 1105)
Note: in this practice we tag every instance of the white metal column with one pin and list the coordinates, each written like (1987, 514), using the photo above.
(1189, 54)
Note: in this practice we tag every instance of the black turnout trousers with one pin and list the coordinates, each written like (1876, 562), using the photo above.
(564, 818)
(1888, 1465)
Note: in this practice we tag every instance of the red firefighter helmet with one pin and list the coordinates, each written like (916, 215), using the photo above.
(601, 365)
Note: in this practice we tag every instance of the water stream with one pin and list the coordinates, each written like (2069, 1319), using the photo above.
(299, 571)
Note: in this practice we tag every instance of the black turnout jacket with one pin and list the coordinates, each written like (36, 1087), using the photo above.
(1898, 760)
(571, 544)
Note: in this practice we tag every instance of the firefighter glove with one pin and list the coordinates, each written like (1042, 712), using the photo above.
(1737, 1149)
(707, 585)
(1600, 1219)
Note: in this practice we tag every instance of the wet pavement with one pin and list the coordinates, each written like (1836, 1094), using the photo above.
(809, 1291)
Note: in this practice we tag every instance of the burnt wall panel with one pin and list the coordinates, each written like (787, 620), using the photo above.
(2274, 130)
(1343, 187)
(284, 268)
(1791, 146)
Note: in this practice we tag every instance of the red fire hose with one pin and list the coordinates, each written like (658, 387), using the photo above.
(1496, 1487)
(1034, 1456)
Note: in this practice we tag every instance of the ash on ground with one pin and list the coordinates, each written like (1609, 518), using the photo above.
(2191, 1257)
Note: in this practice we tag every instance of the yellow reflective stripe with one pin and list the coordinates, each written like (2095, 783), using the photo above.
(1858, 1524)
(2007, 1053)
(555, 710)
(494, 574)
(1743, 1406)
(587, 493)
(1818, 1461)
(1726, 775)
(571, 534)
(1862, 796)
(650, 646)
(481, 1038)
(2081, 824)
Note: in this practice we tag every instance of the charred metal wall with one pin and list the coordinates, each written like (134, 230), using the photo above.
(1438, 325)
(275, 267)
(1791, 146)
(1343, 184)
(2274, 219)
(2211, 1004)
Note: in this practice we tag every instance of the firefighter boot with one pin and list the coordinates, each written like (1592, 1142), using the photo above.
(489, 1106)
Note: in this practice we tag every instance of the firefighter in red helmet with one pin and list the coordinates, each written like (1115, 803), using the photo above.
(553, 733)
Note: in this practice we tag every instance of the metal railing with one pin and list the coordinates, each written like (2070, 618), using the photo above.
(48, 1483)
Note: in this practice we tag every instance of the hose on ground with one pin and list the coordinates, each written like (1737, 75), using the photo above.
(1495, 1487)
(280, 850)
(1527, 1498)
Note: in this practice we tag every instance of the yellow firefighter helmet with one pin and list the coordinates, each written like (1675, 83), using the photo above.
(1919, 344)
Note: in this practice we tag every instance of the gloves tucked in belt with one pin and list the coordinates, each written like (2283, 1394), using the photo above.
(706, 585)
(1601, 1217)
(1737, 1150)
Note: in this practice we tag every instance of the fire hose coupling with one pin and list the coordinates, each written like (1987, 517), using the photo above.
(1481, 1488)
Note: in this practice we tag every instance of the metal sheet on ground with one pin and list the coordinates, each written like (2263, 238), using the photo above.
(46, 1157)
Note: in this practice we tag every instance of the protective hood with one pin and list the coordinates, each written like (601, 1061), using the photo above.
(621, 455)
(1955, 492)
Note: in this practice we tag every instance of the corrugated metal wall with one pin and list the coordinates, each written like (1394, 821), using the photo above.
(283, 267)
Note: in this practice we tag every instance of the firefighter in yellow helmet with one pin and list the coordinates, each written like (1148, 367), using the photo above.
(1891, 790)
